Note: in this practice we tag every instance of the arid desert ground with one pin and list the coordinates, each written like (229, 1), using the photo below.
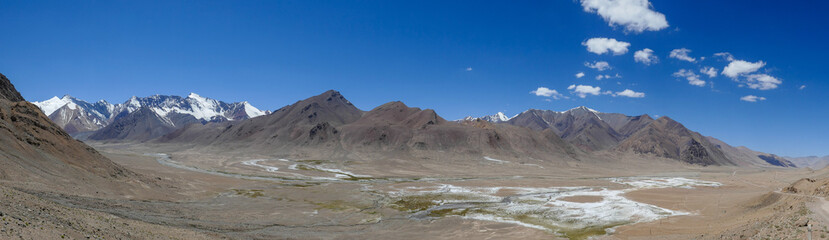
(213, 195)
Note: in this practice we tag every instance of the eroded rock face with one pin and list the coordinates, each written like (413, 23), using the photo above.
(695, 153)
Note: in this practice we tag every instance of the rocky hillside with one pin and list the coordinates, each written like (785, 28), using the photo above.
(580, 126)
(33, 149)
(667, 138)
(7, 90)
(748, 157)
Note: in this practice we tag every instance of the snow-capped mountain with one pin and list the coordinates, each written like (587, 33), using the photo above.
(495, 118)
(498, 117)
(76, 115)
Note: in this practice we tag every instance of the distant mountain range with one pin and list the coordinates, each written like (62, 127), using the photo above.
(813, 162)
(328, 125)
(495, 118)
(592, 130)
(102, 120)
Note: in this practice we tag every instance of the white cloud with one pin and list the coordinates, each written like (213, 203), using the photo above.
(762, 82)
(710, 71)
(600, 65)
(630, 93)
(600, 77)
(725, 55)
(580, 74)
(689, 75)
(604, 45)
(583, 90)
(546, 92)
(469, 69)
(645, 56)
(739, 67)
(744, 72)
(635, 15)
(752, 98)
(682, 54)
(802, 87)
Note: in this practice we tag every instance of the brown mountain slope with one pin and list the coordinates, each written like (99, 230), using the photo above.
(746, 157)
(142, 125)
(633, 124)
(33, 149)
(328, 126)
(667, 138)
(580, 126)
(395, 128)
(305, 122)
(7, 90)
(813, 162)
(75, 120)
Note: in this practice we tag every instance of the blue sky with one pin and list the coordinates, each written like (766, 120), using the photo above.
(274, 53)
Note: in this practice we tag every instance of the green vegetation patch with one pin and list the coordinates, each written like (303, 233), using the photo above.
(584, 233)
(314, 162)
(337, 205)
(416, 203)
(251, 193)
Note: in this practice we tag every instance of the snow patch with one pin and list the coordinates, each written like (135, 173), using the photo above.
(52, 105)
(546, 208)
(495, 160)
(251, 111)
(663, 182)
(255, 163)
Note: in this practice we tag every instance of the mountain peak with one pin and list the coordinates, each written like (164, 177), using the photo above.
(52, 105)
(330, 97)
(194, 95)
(498, 117)
(665, 119)
(101, 113)
(495, 118)
(583, 108)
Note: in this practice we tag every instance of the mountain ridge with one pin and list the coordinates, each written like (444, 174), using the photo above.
(394, 127)
(78, 116)
(331, 122)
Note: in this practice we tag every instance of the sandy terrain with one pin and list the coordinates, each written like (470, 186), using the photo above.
(269, 197)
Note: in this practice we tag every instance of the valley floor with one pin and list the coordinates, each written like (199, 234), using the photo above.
(263, 197)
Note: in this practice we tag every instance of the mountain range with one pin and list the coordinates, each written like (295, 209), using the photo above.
(813, 162)
(104, 121)
(330, 126)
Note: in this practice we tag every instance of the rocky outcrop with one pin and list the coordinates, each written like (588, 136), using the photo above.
(7, 91)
